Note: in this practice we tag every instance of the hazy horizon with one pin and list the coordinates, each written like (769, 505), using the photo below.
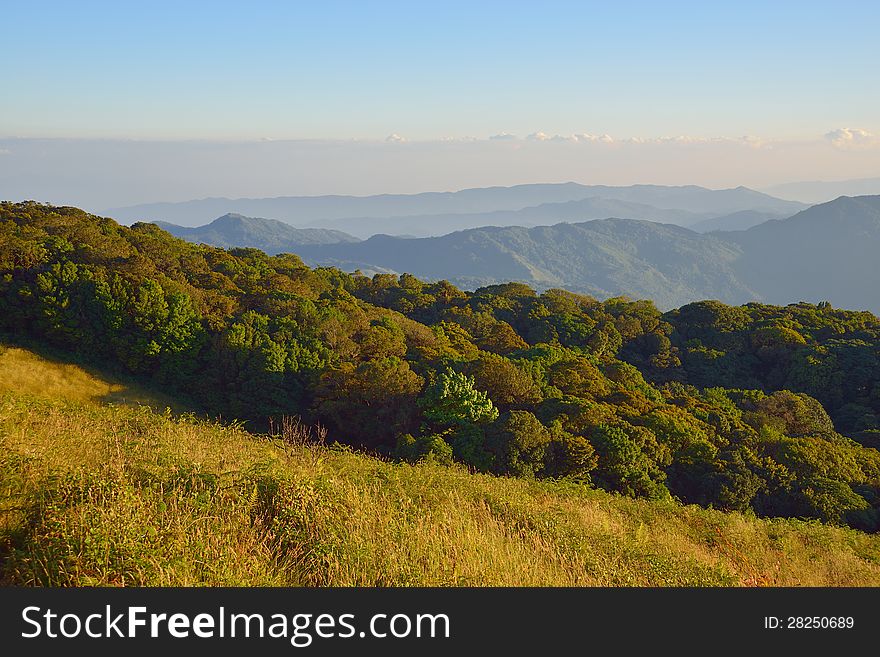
(99, 174)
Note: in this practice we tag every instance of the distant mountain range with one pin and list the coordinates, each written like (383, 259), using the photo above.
(268, 235)
(826, 252)
(547, 213)
(433, 225)
(819, 191)
(742, 220)
(692, 202)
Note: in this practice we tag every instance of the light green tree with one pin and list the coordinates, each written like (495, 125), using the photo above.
(452, 400)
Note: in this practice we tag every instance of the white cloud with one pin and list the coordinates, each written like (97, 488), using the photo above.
(747, 140)
(852, 138)
(688, 139)
(464, 139)
(751, 141)
(582, 137)
(602, 139)
(395, 138)
(677, 139)
(754, 142)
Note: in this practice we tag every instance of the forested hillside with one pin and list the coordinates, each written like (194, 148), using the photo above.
(668, 264)
(765, 409)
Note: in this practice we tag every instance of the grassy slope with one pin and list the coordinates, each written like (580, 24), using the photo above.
(24, 372)
(119, 494)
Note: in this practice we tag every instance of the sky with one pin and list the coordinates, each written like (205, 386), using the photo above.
(412, 96)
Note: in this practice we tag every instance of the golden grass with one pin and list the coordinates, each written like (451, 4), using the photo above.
(24, 372)
(120, 495)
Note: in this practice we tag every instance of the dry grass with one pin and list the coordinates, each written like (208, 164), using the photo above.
(24, 372)
(117, 495)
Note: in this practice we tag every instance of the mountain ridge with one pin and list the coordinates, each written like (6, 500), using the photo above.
(822, 191)
(827, 251)
(301, 210)
(436, 225)
(741, 220)
(604, 258)
(269, 235)
(824, 253)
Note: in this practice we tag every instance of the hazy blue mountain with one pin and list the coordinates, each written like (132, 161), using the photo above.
(699, 199)
(666, 263)
(299, 210)
(742, 220)
(267, 235)
(828, 252)
(302, 210)
(547, 213)
(818, 191)
(825, 253)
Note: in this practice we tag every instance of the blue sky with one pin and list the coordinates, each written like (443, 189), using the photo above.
(107, 104)
(428, 70)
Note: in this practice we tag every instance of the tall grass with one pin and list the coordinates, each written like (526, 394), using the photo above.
(98, 494)
(23, 371)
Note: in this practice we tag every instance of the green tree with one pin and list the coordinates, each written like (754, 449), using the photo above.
(452, 400)
(570, 455)
(624, 466)
(370, 403)
(506, 384)
(519, 443)
(431, 448)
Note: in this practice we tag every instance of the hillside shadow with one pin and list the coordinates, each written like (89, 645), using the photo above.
(37, 369)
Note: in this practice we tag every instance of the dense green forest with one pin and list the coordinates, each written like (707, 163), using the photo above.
(764, 408)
